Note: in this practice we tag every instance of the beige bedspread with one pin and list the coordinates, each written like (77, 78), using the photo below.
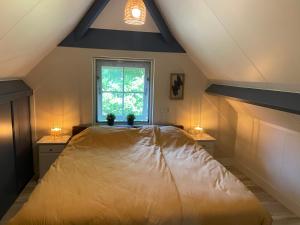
(109, 176)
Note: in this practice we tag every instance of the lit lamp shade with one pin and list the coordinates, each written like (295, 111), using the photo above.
(55, 132)
(135, 12)
(196, 131)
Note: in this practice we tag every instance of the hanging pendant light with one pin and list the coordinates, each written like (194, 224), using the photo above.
(135, 12)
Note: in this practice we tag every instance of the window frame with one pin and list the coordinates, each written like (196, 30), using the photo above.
(107, 61)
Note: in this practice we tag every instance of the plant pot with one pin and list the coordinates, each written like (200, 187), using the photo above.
(110, 122)
(130, 122)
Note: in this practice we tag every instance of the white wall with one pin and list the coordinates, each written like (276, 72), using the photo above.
(219, 119)
(62, 86)
(268, 150)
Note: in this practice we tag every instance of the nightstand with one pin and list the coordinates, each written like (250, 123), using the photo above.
(206, 141)
(49, 149)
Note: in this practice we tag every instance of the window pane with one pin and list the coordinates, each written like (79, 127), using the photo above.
(123, 88)
(134, 79)
(112, 78)
(133, 103)
(112, 103)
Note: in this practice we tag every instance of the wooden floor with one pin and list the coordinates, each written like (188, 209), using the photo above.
(280, 214)
(19, 202)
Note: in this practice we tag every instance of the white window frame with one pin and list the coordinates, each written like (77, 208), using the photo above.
(132, 62)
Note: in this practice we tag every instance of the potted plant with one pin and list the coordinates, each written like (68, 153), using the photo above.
(130, 119)
(110, 119)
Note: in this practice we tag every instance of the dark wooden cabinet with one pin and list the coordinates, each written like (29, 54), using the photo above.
(22, 141)
(16, 166)
(8, 189)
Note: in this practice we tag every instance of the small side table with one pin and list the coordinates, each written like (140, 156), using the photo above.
(206, 141)
(49, 149)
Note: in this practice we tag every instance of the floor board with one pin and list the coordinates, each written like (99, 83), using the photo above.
(280, 214)
(23, 197)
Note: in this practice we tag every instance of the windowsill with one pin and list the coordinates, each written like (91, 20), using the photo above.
(125, 123)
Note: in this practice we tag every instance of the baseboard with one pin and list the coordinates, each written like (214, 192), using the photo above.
(269, 188)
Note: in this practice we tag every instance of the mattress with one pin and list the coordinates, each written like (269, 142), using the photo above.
(151, 175)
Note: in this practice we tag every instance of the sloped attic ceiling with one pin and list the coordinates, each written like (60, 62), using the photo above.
(234, 40)
(240, 40)
(30, 29)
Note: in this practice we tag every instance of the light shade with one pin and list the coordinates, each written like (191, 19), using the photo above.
(135, 12)
(198, 129)
(55, 132)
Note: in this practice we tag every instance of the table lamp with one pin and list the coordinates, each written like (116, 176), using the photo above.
(55, 132)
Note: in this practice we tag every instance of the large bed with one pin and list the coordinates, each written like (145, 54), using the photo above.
(150, 175)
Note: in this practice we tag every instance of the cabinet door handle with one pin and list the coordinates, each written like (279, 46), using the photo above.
(50, 150)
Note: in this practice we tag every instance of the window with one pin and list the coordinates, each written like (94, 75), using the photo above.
(123, 87)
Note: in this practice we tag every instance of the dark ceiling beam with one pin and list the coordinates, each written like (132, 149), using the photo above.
(278, 100)
(159, 20)
(85, 37)
(122, 40)
(88, 19)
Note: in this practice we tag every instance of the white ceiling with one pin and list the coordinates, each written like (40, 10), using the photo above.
(244, 41)
(240, 40)
(30, 29)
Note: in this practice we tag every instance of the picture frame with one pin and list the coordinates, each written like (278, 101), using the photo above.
(177, 81)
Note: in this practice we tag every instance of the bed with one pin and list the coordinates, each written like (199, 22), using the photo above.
(150, 175)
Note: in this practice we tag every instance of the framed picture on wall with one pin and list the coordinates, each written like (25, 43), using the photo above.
(177, 86)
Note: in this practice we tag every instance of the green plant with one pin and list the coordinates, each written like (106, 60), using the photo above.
(110, 119)
(130, 119)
